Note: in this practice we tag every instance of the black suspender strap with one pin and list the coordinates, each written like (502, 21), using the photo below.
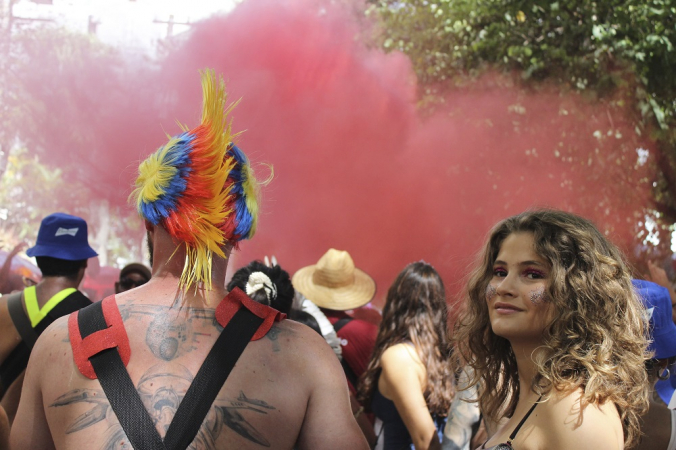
(126, 402)
(341, 323)
(118, 387)
(210, 378)
(20, 319)
(349, 373)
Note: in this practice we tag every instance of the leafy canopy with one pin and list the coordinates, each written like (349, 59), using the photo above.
(616, 52)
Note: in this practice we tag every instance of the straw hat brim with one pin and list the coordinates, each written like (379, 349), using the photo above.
(342, 298)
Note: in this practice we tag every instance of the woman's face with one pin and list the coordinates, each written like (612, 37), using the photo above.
(518, 306)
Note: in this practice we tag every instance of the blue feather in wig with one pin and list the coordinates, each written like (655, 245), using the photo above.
(239, 175)
(172, 163)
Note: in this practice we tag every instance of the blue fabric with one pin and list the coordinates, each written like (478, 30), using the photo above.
(62, 236)
(395, 434)
(666, 388)
(657, 302)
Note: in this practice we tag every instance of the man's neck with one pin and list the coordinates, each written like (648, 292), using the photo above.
(50, 286)
(168, 263)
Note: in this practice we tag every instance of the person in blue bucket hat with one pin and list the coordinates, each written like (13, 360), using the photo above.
(62, 236)
(61, 252)
(659, 423)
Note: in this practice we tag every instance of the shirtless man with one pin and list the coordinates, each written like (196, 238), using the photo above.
(287, 389)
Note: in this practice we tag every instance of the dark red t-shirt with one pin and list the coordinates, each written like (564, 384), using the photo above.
(357, 340)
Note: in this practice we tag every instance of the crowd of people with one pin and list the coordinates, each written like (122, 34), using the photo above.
(557, 344)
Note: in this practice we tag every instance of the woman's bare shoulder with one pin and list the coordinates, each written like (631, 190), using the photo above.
(401, 366)
(399, 354)
(565, 420)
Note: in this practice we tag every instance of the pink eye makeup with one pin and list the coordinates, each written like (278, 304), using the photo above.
(535, 273)
(499, 271)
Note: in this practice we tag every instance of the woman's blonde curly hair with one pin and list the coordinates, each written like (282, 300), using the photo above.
(597, 340)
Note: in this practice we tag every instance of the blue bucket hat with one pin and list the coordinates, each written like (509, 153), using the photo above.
(657, 302)
(62, 236)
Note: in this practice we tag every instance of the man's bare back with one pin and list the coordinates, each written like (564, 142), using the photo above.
(198, 197)
(286, 390)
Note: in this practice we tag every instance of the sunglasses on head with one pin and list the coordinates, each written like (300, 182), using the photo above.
(129, 283)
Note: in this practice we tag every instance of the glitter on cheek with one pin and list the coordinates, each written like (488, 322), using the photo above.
(538, 296)
(490, 292)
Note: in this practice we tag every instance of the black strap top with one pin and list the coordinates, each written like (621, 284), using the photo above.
(508, 445)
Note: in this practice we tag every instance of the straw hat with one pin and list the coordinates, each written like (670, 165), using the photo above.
(335, 283)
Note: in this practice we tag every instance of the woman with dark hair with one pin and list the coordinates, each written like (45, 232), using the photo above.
(554, 333)
(408, 382)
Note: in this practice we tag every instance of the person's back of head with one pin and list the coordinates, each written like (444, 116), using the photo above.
(415, 312)
(335, 283)
(416, 303)
(132, 275)
(62, 247)
(55, 267)
(200, 188)
(267, 285)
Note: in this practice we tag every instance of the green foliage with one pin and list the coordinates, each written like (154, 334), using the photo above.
(580, 44)
(619, 53)
(31, 190)
(78, 103)
(28, 192)
(53, 106)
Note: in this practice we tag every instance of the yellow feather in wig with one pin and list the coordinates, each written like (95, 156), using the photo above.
(211, 142)
(184, 186)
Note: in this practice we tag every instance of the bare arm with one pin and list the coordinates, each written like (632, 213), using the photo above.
(402, 380)
(328, 423)
(30, 428)
(461, 417)
(4, 430)
(363, 421)
(564, 425)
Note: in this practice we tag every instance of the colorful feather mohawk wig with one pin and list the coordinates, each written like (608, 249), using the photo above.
(200, 187)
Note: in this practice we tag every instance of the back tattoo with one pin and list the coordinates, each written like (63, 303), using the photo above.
(163, 386)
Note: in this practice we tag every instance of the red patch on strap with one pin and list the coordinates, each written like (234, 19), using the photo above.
(113, 336)
(237, 299)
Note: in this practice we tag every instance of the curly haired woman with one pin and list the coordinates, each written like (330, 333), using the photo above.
(555, 334)
(408, 382)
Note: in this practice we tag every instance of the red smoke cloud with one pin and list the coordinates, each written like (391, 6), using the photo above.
(357, 166)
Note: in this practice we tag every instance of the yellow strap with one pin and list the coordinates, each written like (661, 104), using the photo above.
(35, 314)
